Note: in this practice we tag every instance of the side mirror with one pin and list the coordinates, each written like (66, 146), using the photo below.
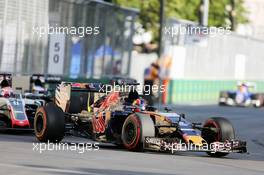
(182, 115)
(167, 109)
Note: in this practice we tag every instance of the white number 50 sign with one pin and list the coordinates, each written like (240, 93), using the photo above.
(56, 54)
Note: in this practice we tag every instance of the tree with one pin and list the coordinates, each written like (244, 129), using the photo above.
(219, 12)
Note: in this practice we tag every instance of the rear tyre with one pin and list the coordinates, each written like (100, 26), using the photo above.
(49, 123)
(136, 127)
(223, 131)
(5, 123)
(259, 98)
(222, 95)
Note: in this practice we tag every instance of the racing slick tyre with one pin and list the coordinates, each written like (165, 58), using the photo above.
(136, 127)
(220, 130)
(49, 123)
(222, 95)
(259, 98)
(5, 123)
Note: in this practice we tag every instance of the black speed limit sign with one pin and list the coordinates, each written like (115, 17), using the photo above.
(56, 57)
(56, 53)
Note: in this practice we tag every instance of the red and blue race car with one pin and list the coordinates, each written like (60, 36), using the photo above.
(241, 97)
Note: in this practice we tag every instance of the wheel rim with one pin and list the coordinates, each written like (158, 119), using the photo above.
(39, 123)
(130, 133)
(215, 136)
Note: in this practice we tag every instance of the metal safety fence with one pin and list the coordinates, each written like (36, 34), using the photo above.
(20, 50)
(220, 55)
(203, 63)
(72, 38)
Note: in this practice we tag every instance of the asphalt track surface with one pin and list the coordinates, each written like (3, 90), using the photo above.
(18, 157)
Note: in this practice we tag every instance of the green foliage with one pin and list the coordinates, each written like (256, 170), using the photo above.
(241, 12)
(219, 15)
(184, 9)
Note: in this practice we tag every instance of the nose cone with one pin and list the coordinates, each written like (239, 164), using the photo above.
(21, 123)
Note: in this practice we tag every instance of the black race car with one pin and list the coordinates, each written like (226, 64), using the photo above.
(41, 91)
(123, 118)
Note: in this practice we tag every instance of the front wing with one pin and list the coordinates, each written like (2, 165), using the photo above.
(176, 145)
(3, 127)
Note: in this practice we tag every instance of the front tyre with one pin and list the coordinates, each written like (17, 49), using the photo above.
(136, 127)
(49, 123)
(223, 97)
(259, 100)
(221, 130)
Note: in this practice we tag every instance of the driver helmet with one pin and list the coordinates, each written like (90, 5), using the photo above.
(6, 92)
(140, 103)
(243, 88)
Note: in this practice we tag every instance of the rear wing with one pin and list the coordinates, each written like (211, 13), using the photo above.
(45, 78)
(83, 87)
(123, 81)
(99, 87)
(49, 82)
(7, 77)
(248, 84)
(64, 91)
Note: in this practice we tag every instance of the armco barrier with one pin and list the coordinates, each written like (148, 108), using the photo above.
(202, 91)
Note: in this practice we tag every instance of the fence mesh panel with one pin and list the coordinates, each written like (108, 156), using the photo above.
(24, 52)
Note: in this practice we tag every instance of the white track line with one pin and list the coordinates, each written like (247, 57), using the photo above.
(47, 169)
